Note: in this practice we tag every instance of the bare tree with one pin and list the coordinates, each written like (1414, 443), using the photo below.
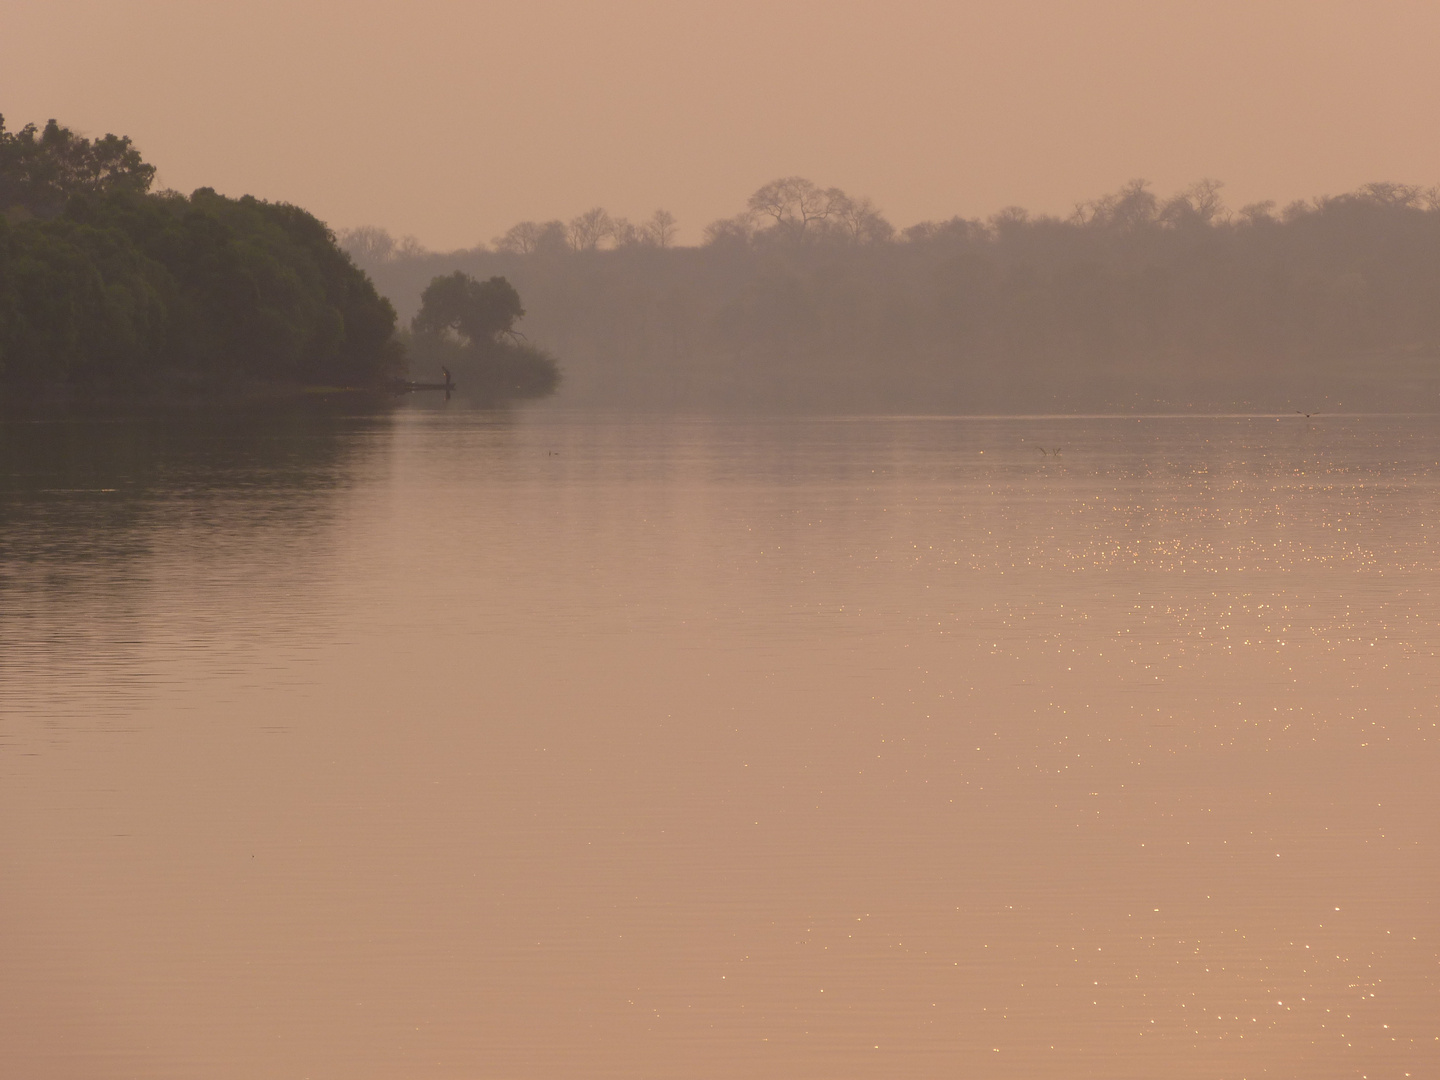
(1300, 208)
(1258, 213)
(1132, 207)
(533, 238)
(1387, 193)
(732, 231)
(368, 244)
(1008, 221)
(624, 233)
(589, 229)
(1197, 205)
(795, 203)
(957, 229)
(554, 239)
(860, 222)
(661, 228)
(1204, 197)
(520, 239)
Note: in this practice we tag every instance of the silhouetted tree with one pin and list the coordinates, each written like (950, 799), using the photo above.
(519, 239)
(489, 363)
(1198, 206)
(795, 204)
(39, 170)
(859, 222)
(1258, 213)
(533, 237)
(588, 230)
(734, 231)
(369, 244)
(661, 228)
(480, 311)
(658, 232)
(624, 233)
(1131, 208)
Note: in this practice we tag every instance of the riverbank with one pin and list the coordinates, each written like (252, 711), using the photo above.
(180, 397)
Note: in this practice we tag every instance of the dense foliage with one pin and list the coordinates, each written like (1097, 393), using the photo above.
(479, 311)
(468, 328)
(106, 288)
(809, 298)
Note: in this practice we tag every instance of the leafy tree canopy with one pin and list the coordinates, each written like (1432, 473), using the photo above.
(41, 169)
(467, 326)
(480, 311)
(105, 287)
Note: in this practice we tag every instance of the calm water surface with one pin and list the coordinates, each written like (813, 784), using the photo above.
(451, 744)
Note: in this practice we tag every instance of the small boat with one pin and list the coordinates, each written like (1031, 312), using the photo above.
(406, 386)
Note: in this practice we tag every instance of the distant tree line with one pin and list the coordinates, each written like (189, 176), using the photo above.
(108, 288)
(589, 231)
(809, 298)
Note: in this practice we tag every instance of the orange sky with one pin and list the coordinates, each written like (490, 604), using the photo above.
(453, 120)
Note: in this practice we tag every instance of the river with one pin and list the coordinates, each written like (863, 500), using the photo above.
(442, 743)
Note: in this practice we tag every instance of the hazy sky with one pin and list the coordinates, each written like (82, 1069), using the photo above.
(453, 120)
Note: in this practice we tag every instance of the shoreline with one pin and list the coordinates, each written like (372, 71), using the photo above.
(57, 402)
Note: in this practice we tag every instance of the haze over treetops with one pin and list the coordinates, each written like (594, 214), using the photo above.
(452, 121)
(808, 297)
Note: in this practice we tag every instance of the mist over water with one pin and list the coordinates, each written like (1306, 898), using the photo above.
(811, 301)
(443, 743)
